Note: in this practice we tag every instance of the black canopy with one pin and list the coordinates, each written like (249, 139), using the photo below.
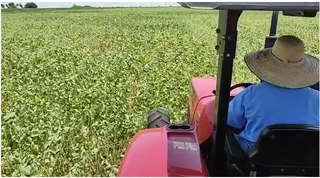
(263, 6)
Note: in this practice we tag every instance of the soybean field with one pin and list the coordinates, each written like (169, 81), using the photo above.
(77, 84)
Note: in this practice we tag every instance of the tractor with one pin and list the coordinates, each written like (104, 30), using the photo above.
(205, 145)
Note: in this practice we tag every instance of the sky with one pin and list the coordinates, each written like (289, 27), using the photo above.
(101, 4)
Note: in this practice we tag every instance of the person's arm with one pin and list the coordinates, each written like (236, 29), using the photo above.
(236, 111)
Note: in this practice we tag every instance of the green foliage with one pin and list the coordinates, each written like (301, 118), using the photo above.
(12, 5)
(77, 84)
(30, 5)
(80, 7)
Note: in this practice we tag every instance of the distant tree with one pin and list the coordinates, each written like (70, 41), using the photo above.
(77, 6)
(12, 5)
(30, 5)
(7, 6)
(21, 6)
(2, 6)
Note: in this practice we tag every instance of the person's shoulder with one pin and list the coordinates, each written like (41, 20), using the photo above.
(261, 89)
(312, 92)
(259, 86)
(312, 96)
(249, 90)
(265, 85)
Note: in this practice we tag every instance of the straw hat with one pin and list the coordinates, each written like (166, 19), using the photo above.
(285, 64)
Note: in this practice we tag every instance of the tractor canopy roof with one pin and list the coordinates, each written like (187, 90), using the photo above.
(261, 6)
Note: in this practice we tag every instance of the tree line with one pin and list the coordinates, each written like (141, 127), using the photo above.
(12, 5)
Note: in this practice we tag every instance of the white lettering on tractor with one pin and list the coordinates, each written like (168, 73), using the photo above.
(191, 146)
(185, 146)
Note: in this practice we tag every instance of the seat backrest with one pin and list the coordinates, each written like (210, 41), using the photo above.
(287, 146)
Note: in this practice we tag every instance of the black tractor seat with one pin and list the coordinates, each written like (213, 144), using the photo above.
(281, 150)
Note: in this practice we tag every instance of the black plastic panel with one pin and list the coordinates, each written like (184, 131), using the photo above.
(263, 6)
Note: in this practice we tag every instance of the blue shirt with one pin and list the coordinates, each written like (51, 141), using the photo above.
(264, 104)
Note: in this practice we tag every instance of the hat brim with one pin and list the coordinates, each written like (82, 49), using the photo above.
(289, 75)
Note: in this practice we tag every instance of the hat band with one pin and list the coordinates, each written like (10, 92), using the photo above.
(284, 61)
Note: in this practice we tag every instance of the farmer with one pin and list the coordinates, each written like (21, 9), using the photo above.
(283, 98)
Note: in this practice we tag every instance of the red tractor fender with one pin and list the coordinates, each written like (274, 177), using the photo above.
(162, 152)
(202, 105)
